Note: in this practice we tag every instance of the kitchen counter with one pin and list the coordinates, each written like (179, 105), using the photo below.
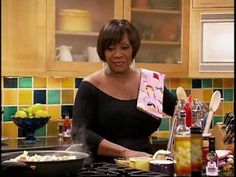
(53, 142)
(43, 142)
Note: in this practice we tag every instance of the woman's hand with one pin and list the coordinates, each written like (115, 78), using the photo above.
(108, 148)
(131, 153)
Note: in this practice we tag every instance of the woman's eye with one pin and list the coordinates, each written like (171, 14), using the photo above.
(125, 47)
(110, 48)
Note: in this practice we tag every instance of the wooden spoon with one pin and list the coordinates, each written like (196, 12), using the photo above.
(214, 104)
(181, 94)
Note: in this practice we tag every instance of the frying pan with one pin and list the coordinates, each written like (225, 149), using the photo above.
(45, 168)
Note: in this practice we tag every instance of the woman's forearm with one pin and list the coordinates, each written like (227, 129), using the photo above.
(108, 148)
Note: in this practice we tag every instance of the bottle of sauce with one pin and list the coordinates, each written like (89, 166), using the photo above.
(67, 129)
(196, 151)
(212, 159)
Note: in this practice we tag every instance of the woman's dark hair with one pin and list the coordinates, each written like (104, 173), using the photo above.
(113, 32)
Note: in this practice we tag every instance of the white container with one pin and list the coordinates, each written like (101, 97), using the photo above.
(93, 55)
(64, 53)
(74, 20)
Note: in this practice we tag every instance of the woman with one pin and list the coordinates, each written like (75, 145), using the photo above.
(105, 117)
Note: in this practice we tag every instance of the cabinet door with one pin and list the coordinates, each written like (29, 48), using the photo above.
(163, 26)
(196, 67)
(72, 30)
(23, 37)
(212, 3)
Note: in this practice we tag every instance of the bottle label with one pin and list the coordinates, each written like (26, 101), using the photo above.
(211, 168)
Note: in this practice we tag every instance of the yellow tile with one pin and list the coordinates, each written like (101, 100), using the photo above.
(55, 112)
(67, 96)
(54, 82)
(197, 94)
(40, 82)
(219, 111)
(9, 129)
(228, 83)
(52, 129)
(25, 97)
(10, 97)
(174, 83)
(68, 83)
(185, 83)
(228, 107)
(207, 93)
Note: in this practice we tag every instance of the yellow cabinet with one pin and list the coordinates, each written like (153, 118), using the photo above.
(202, 62)
(23, 37)
(164, 29)
(72, 31)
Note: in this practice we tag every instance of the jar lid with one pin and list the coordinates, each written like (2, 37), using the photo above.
(196, 130)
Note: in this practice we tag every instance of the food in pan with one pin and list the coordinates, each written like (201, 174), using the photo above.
(24, 157)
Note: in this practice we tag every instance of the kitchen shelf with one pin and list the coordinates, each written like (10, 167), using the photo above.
(156, 11)
(160, 42)
(77, 33)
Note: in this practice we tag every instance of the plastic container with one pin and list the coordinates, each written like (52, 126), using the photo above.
(162, 166)
(74, 20)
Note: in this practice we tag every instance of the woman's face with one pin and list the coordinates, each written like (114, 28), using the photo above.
(119, 56)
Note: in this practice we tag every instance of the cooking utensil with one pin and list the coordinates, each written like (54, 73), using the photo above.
(170, 142)
(214, 104)
(44, 168)
(181, 94)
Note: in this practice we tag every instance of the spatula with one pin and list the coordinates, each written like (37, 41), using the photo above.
(214, 104)
(181, 94)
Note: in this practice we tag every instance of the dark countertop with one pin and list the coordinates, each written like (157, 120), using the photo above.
(44, 142)
(53, 142)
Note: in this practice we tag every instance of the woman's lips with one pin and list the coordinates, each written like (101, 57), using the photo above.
(119, 63)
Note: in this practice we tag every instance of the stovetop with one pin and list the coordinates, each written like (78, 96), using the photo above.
(103, 169)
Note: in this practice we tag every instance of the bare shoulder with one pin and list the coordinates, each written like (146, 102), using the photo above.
(94, 78)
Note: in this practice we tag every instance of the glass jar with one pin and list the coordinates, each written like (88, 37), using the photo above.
(182, 144)
(196, 151)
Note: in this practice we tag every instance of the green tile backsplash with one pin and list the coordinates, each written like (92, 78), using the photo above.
(25, 82)
(53, 97)
(207, 83)
(57, 95)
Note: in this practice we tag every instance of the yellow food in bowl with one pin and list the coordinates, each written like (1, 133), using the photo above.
(122, 162)
(140, 163)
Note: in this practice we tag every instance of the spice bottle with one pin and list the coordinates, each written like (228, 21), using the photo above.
(67, 129)
(205, 150)
(196, 151)
(212, 159)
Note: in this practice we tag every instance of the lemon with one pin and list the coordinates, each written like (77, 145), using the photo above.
(41, 113)
(20, 114)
